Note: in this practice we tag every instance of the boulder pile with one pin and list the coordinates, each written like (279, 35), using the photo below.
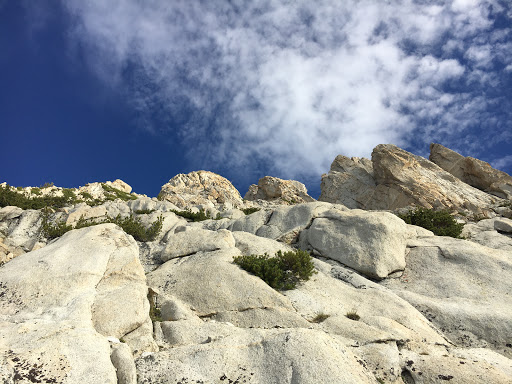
(389, 302)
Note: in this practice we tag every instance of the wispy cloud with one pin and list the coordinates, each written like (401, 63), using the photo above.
(292, 84)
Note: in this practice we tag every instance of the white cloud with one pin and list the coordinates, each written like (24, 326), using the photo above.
(295, 84)
(502, 162)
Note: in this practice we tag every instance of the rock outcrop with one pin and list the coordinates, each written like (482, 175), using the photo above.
(278, 191)
(200, 188)
(474, 172)
(59, 304)
(389, 302)
(395, 179)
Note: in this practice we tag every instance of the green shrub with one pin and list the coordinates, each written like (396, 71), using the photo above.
(199, 216)
(248, 211)
(133, 226)
(283, 271)
(144, 211)
(439, 222)
(35, 190)
(320, 318)
(46, 185)
(113, 193)
(352, 315)
(86, 195)
(12, 197)
(53, 230)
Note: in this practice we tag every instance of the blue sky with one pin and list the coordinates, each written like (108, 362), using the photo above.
(143, 90)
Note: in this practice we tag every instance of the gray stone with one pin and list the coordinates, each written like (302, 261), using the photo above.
(56, 299)
(122, 360)
(372, 243)
(198, 240)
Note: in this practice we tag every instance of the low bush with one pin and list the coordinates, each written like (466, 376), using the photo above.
(9, 196)
(144, 211)
(248, 211)
(53, 230)
(439, 222)
(133, 226)
(352, 315)
(199, 216)
(113, 193)
(321, 317)
(283, 271)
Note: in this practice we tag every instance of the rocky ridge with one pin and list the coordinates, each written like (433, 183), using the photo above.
(95, 305)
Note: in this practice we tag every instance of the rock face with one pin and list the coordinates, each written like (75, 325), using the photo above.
(389, 302)
(472, 171)
(279, 191)
(58, 305)
(399, 179)
(200, 188)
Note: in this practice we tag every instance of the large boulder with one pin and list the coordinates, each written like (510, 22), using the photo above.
(279, 191)
(462, 287)
(373, 243)
(59, 305)
(347, 182)
(493, 233)
(218, 284)
(200, 188)
(400, 179)
(472, 171)
(253, 356)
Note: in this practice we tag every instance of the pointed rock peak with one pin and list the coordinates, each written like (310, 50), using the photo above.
(395, 179)
(474, 172)
(200, 188)
(279, 191)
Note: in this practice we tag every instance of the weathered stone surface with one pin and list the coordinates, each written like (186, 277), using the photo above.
(474, 172)
(401, 179)
(122, 360)
(250, 244)
(54, 301)
(493, 233)
(219, 284)
(462, 287)
(279, 191)
(20, 228)
(200, 187)
(196, 240)
(373, 243)
(278, 356)
(347, 182)
(90, 214)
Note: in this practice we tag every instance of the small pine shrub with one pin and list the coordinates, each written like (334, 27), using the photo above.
(144, 211)
(46, 185)
(283, 271)
(133, 226)
(199, 216)
(12, 197)
(352, 315)
(52, 231)
(320, 318)
(113, 193)
(35, 190)
(439, 222)
(248, 211)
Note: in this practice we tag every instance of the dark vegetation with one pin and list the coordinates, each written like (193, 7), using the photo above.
(131, 225)
(199, 216)
(113, 193)
(248, 211)
(282, 271)
(441, 223)
(10, 196)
